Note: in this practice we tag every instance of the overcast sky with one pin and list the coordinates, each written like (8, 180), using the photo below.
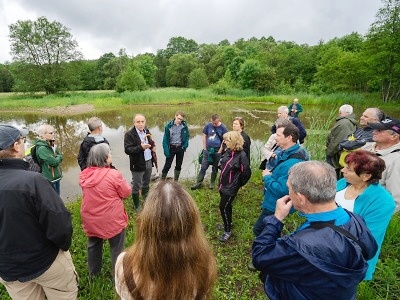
(102, 26)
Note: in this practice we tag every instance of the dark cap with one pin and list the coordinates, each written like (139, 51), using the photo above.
(9, 135)
(386, 124)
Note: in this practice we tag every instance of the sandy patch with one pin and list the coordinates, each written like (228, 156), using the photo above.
(69, 110)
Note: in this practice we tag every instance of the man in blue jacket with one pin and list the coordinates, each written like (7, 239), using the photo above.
(275, 180)
(175, 143)
(326, 257)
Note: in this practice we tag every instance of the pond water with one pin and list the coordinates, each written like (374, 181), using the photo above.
(70, 131)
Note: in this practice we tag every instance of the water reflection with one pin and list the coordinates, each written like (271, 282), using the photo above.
(70, 132)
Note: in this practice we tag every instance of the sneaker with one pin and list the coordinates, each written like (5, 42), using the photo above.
(251, 267)
(225, 237)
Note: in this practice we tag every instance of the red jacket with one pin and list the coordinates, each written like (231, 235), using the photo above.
(102, 211)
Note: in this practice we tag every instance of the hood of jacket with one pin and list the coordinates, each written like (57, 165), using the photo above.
(93, 139)
(351, 118)
(92, 176)
(42, 143)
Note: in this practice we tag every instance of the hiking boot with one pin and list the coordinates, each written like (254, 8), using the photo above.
(225, 237)
(196, 186)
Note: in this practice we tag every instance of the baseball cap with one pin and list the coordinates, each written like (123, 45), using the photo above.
(386, 124)
(9, 135)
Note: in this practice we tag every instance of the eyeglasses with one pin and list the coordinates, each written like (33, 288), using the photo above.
(180, 119)
(50, 132)
(23, 138)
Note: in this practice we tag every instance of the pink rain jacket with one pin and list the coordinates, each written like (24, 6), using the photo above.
(102, 210)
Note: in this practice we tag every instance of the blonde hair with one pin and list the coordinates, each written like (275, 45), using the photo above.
(235, 139)
(171, 258)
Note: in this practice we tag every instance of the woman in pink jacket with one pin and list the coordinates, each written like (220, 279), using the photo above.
(102, 210)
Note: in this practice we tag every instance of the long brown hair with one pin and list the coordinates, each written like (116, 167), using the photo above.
(171, 258)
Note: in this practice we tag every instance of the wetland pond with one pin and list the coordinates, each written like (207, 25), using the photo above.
(71, 129)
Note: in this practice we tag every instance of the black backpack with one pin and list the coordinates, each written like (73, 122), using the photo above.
(34, 163)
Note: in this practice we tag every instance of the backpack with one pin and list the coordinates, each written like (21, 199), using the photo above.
(32, 159)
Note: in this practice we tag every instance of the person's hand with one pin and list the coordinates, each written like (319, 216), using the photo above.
(283, 206)
(266, 172)
(145, 146)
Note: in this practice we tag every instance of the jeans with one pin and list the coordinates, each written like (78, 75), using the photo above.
(174, 151)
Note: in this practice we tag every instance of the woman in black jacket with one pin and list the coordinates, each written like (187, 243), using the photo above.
(235, 172)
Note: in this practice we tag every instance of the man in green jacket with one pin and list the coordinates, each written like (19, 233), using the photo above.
(345, 125)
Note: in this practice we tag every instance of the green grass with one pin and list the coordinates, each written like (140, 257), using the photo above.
(234, 280)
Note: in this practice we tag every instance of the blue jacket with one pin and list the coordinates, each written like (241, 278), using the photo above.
(166, 137)
(312, 263)
(275, 184)
(376, 206)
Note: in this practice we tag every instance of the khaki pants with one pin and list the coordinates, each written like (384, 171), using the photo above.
(59, 282)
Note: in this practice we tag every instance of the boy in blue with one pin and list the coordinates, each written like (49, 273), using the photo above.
(212, 148)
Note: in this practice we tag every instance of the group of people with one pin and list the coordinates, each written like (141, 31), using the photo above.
(171, 257)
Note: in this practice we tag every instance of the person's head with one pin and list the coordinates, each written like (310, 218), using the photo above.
(283, 112)
(12, 141)
(216, 120)
(95, 125)
(295, 100)
(139, 121)
(99, 156)
(46, 132)
(179, 117)
(345, 110)
(238, 124)
(233, 140)
(314, 180)
(363, 166)
(287, 135)
(371, 115)
(170, 258)
(386, 132)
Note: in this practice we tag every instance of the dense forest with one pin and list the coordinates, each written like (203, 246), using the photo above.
(45, 59)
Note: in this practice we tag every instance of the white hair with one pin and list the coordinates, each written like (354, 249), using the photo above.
(346, 109)
(283, 109)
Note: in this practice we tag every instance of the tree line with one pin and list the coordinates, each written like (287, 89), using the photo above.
(45, 58)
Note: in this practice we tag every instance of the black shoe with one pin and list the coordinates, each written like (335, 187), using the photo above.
(196, 186)
(225, 237)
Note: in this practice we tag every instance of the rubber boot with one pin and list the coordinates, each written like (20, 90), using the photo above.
(176, 175)
(163, 176)
(145, 191)
(212, 180)
(199, 182)
(136, 201)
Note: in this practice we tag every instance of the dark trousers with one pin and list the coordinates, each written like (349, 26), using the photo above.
(174, 151)
(259, 225)
(95, 251)
(225, 207)
(205, 162)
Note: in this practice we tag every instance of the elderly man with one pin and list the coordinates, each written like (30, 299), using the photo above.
(326, 257)
(345, 125)
(93, 138)
(295, 108)
(363, 135)
(138, 144)
(386, 137)
(283, 113)
(212, 141)
(35, 231)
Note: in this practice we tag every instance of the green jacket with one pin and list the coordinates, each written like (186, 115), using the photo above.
(49, 160)
(343, 127)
